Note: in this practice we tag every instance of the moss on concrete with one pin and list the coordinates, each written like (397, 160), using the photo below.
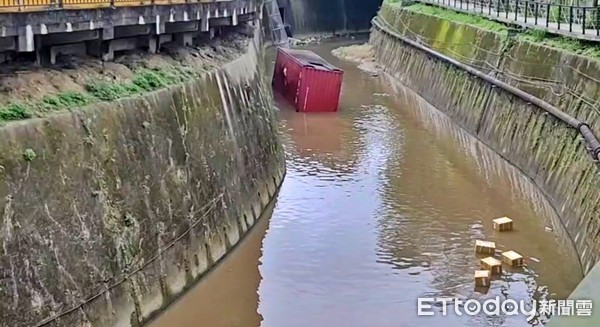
(546, 150)
(97, 193)
(454, 16)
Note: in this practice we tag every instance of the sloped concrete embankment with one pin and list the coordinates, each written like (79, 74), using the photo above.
(111, 211)
(546, 149)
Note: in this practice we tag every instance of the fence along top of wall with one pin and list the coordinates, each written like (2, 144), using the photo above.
(580, 21)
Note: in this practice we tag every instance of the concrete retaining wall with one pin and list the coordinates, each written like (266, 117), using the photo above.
(545, 149)
(110, 212)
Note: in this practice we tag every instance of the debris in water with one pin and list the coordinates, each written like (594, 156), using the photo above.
(534, 259)
(548, 229)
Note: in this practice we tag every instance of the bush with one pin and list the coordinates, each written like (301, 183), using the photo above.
(14, 111)
(110, 92)
(65, 100)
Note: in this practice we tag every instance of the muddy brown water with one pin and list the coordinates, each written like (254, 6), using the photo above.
(381, 205)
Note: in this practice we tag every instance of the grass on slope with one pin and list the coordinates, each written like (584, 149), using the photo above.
(560, 42)
(143, 81)
(474, 20)
(532, 35)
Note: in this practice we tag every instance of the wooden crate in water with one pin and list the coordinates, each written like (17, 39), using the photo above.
(503, 224)
(482, 278)
(485, 247)
(512, 258)
(492, 264)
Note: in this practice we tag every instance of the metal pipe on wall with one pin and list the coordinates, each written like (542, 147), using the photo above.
(582, 127)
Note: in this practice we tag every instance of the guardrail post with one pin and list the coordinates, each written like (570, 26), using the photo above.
(547, 14)
(507, 7)
(489, 7)
(498, 9)
(516, 8)
(536, 12)
(570, 18)
(583, 27)
(597, 21)
(559, 15)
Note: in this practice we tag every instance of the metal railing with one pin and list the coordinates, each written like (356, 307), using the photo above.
(584, 20)
(41, 5)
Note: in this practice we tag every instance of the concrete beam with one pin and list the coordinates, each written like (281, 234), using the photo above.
(121, 32)
(180, 27)
(66, 38)
(60, 21)
(221, 21)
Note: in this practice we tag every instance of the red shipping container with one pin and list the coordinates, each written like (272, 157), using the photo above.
(307, 81)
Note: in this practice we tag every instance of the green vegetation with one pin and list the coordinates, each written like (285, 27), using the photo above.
(144, 80)
(561, 42)
(14, 111)
(474, 20)
(532, 35)
(29, 155)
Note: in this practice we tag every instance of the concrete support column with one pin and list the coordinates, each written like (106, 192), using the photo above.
(108, 53)
(100, 49)
(25, 39)
(40, 56)
(153, 45)
(212, 33)
(205, 23)
(159, 26)
(234, 17)
(184, 39)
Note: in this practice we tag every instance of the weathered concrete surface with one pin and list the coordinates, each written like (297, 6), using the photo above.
(115, 209)
(336, 16)
(545, 149)
(103, 30)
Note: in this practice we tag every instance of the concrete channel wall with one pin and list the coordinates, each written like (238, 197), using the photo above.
(547, 150)
(110, 212)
